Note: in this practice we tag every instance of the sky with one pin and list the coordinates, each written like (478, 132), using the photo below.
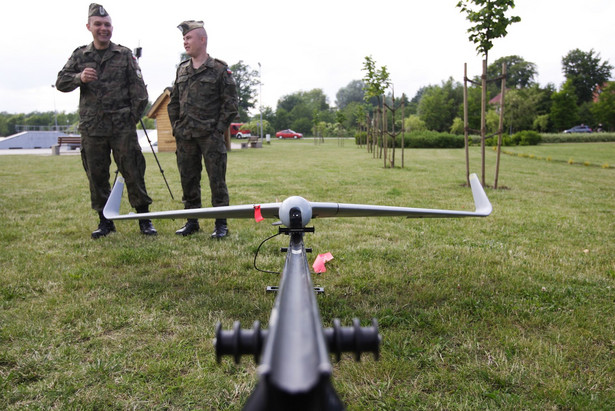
(299, 45)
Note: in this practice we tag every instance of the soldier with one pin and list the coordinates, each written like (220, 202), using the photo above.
(203, 104)
(111, 102)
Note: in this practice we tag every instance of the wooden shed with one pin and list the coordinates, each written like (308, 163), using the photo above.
(166, 141)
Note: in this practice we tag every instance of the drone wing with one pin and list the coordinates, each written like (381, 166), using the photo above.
(318, 209)
(481, 202)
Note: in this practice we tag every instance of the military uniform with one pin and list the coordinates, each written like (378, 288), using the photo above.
(109, 109)
(203, 104)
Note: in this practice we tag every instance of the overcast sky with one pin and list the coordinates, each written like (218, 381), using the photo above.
(300, 45)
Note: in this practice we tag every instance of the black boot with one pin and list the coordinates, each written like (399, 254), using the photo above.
(220, 230)
(145, 225)
(104, 227)
(191, 227)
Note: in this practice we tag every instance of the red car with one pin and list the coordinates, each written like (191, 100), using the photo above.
(288, 133)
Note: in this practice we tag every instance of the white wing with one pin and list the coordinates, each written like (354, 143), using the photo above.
(316, 209)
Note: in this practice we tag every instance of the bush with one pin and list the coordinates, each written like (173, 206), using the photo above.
(360, 138)
(522, 138)
(578, 138)
(431, 139)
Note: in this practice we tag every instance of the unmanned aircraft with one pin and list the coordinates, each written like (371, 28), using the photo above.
(294, 369)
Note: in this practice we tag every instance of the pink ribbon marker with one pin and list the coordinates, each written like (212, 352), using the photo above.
(257, 214)
(319, 263)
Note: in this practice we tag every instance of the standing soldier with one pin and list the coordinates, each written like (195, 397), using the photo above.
(203, 104)
(111, 102)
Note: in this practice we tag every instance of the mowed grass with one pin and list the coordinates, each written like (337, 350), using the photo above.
(587, 154)
(513, 311)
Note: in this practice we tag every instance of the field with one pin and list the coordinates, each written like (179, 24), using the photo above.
(513, 311)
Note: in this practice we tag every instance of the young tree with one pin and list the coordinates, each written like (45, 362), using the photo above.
(376, 82)
(490, 22)
(489, 19)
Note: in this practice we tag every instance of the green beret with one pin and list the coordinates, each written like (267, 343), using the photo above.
(190, 25)
(96, 10)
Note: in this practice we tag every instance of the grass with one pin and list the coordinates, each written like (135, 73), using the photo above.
(514, 311)
(589, 154)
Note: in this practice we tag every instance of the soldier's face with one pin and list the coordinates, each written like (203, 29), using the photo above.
(101, 29)
(194, 43)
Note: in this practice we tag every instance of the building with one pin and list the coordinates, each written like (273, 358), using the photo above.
(166, 141)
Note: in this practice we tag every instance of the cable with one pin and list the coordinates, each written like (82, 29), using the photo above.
(256, 255)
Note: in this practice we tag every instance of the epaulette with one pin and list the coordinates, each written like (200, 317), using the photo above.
(80, 47)
(221, 62)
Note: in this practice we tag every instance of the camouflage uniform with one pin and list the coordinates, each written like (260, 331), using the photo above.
(203, 104)
(109, 109)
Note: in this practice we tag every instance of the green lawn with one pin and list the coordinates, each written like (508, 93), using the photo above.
(589, 154)
(514, 311)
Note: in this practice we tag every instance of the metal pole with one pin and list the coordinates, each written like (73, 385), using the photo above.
(260, 96)
(156, 157)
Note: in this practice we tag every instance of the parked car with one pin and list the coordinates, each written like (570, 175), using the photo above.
(579, 129)
(288, 133)
(237, 132)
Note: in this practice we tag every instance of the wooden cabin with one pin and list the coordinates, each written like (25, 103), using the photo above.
(166, 141)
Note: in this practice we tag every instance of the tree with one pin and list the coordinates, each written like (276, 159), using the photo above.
(489, 19)
(353, 92)
(297, 110)
(564, 112)
(604, 108)
(246, 81)
(376, 80)
(439, 105)
(521, 109)
(519, 73)
(586, 71)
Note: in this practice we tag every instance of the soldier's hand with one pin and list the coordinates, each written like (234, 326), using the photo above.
(88, 75)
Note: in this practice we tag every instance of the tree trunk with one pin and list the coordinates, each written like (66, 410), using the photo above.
(465, 121)
(500, 130)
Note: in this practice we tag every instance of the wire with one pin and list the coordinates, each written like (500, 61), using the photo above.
(258, 249)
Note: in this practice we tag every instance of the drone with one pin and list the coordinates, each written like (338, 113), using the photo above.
(293, 354)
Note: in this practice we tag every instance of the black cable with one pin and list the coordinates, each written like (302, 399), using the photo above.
(256, 255)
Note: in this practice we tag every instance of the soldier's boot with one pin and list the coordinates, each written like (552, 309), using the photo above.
(191, 227)
(145, 224)
(220, 229)
(104, 227)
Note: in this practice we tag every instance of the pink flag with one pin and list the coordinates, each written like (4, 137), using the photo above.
(319, 263)
(257, 214)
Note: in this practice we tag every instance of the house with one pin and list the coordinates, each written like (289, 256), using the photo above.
(166, 141)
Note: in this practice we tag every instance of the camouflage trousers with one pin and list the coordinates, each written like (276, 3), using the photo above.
(96, 157)
(190, 153)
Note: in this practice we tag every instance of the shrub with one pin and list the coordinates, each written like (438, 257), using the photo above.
(528, 138)
(360, 138)
(431, 139)
(522, 138)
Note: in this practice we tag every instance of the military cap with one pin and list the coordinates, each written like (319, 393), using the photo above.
(96, 10)
(190, 25)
